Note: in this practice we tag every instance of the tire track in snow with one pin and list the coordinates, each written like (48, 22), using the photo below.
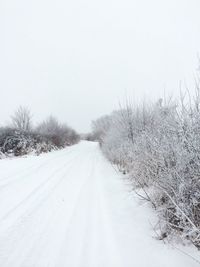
(90, 230)
(23, 173)
(49, 222)
(36, 193)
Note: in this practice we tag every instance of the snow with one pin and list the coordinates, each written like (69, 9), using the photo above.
(70, 208)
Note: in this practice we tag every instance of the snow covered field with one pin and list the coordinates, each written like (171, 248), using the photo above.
(69, 208)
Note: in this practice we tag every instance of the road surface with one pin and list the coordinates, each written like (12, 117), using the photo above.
(70, 208)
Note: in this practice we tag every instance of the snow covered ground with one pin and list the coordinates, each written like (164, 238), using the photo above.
(69, 208)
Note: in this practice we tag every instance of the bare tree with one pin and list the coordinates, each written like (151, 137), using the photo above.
(22, 119)
(60, 134)
(100, 127)
(50, 126)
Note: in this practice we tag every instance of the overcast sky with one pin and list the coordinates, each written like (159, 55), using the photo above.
(77, 59)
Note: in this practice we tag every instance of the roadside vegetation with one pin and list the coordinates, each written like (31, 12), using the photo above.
(20, 137)
(157, 146)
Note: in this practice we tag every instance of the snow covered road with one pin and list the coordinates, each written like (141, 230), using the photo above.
(69, 208)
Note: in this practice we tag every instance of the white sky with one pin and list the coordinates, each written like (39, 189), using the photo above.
(77, 59)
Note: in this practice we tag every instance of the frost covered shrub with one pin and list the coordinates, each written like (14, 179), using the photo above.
(18, 142)
(159, 147)
(59, 134)
(22, 138)
(15, 142)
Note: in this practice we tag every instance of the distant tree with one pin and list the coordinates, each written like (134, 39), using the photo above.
(88, 137)
(22, 119)
(49, 127)
(100, 127)
(60, 134)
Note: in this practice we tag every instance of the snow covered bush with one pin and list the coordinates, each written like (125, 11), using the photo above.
(21, 138)
(159, 147)
(59, 134)
(14, 142)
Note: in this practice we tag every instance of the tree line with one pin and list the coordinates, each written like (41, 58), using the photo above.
(20, 137)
